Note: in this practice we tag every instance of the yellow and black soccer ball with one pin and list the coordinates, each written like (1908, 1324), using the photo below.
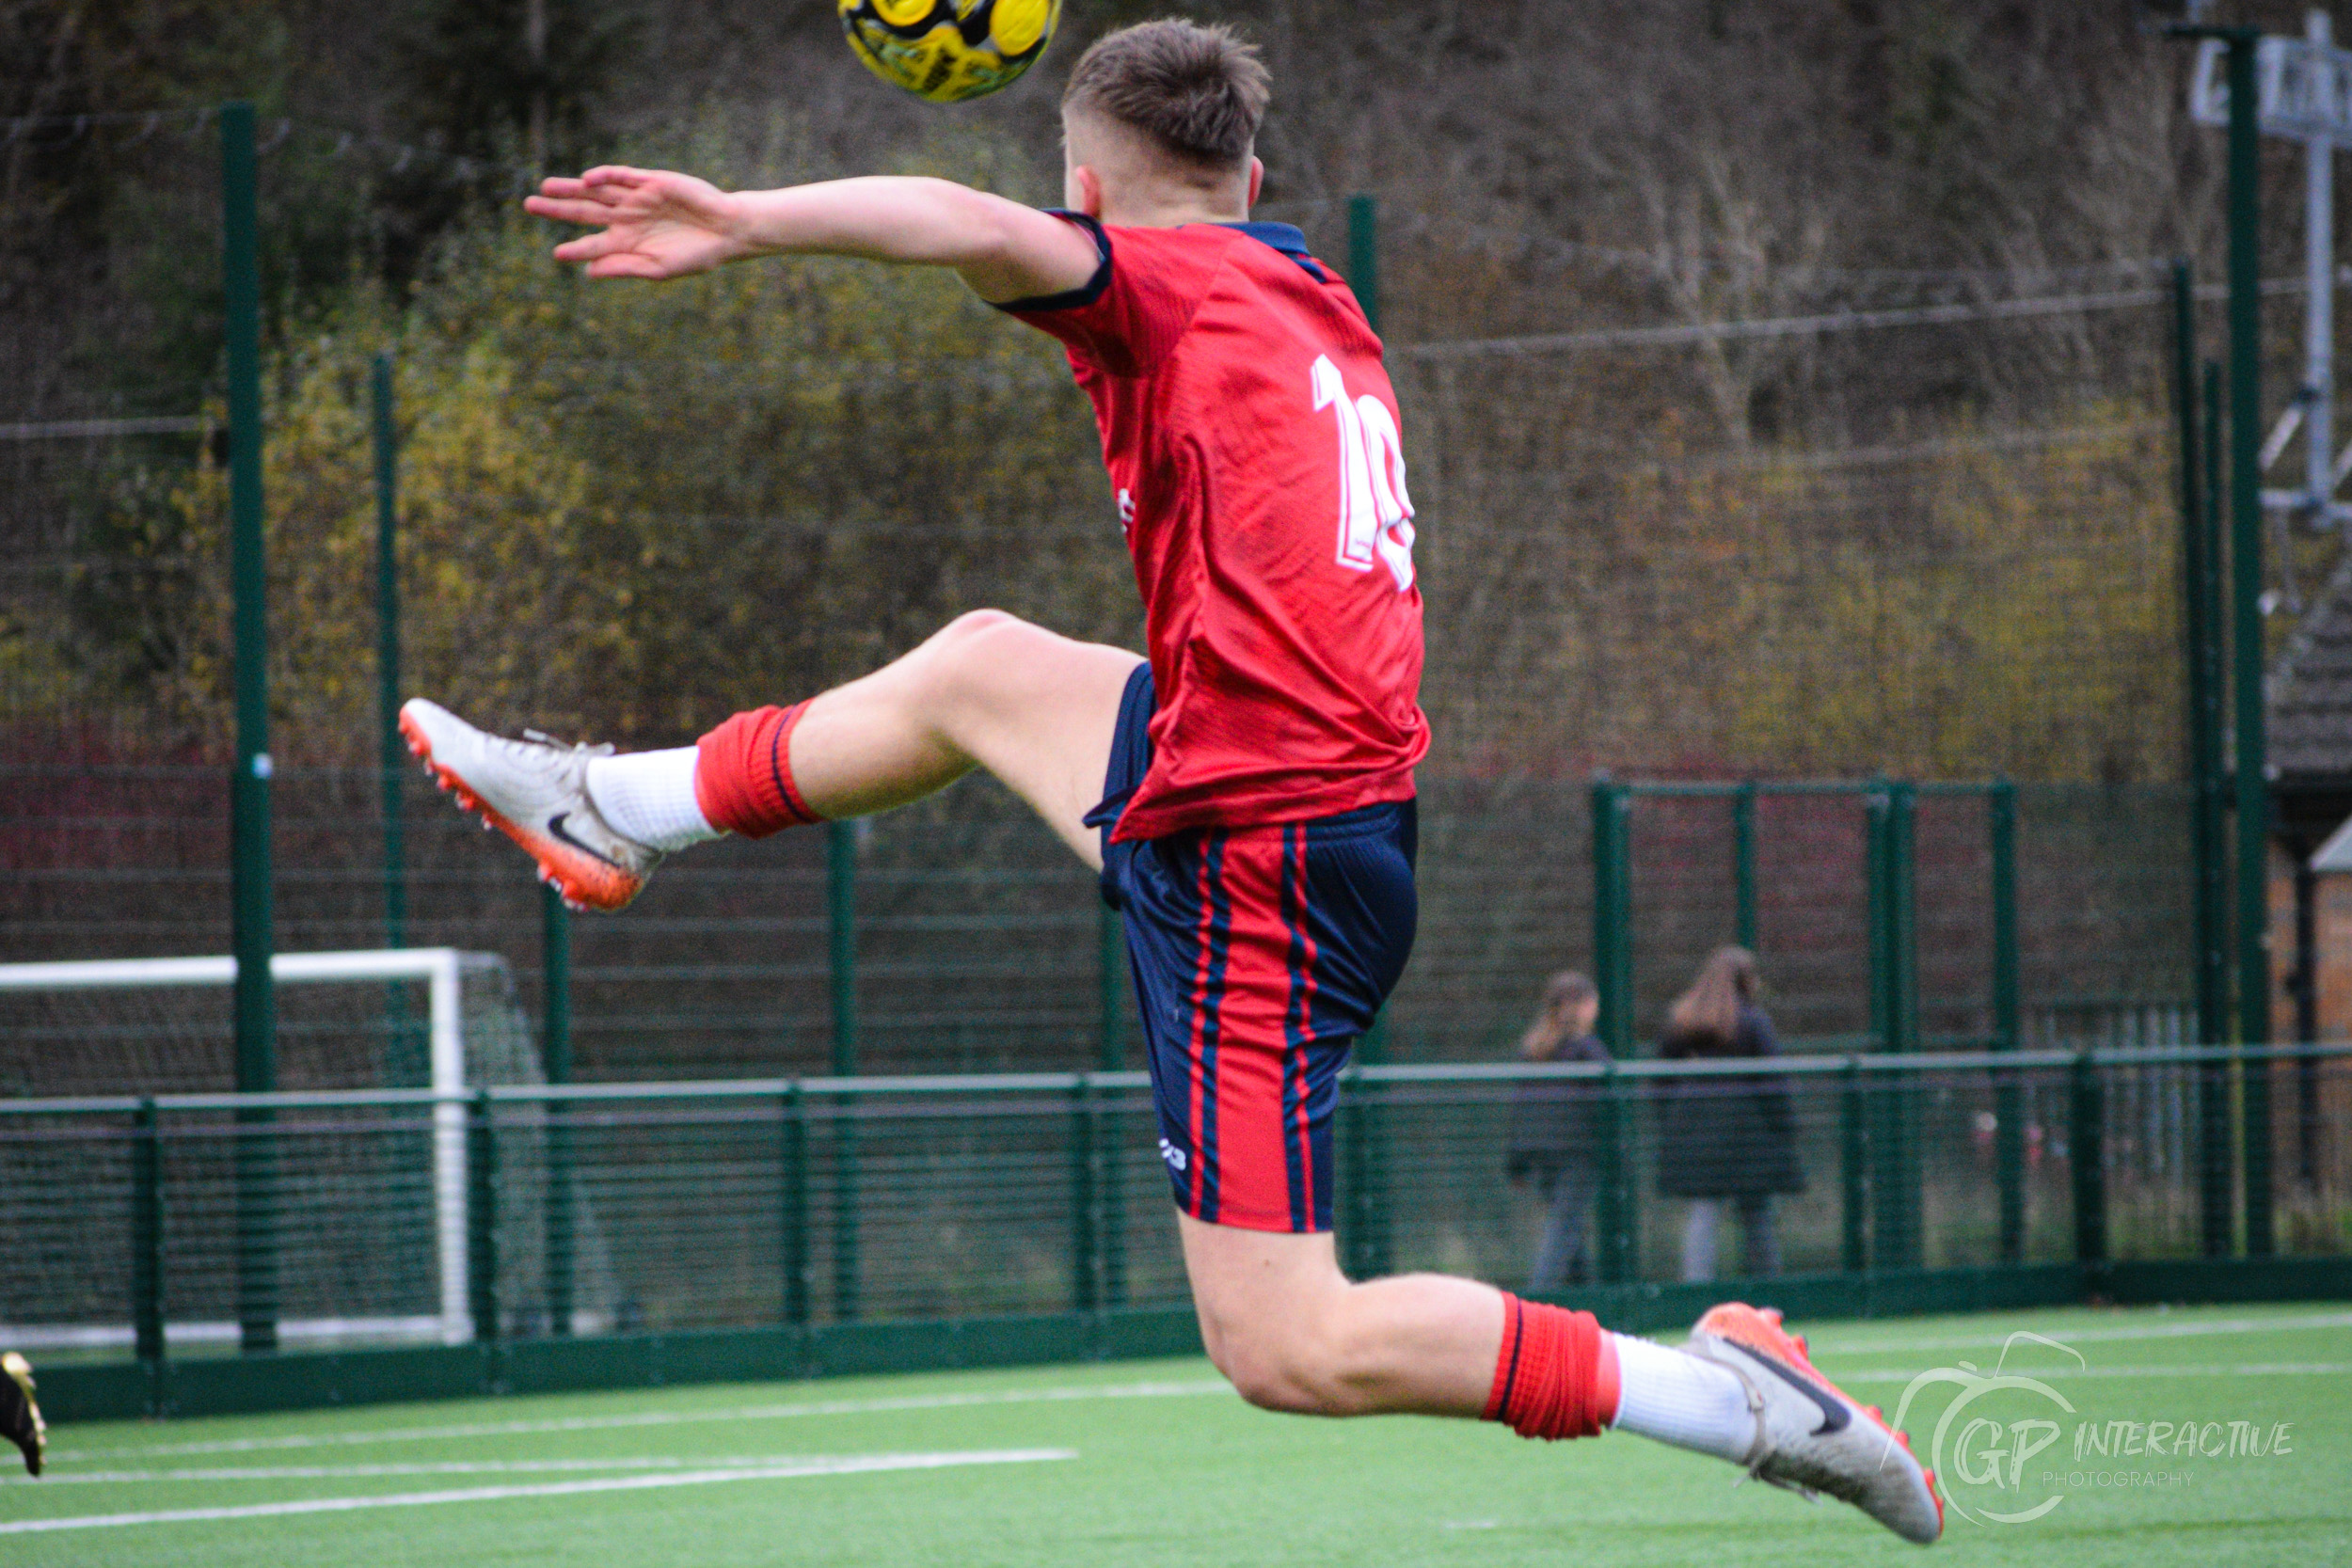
(949, 50)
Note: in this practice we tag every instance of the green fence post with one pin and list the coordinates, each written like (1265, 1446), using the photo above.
(2199, 442)
(1853, 1151)
(841, 926)
(793, 1203)
(1085, 1253)
(555, 1001)
(481, 1219)
(1612, 973)
(2254, 1158)
(1911, 1106)
(1895, 1181)
(2087, 1155)
(2212, 866)
(555, 986)
(248, 780)
(1874, 878)
(1363, 255)
(844, 1229)
(391, 753)
(2218, 1173)
(1743, 864)
(841, 922)
(1903, 818)
(2245, 593)
(1613, 914)
(1619, 1248)
(1882, 1139)
(147, 1236)
(2008, 1107)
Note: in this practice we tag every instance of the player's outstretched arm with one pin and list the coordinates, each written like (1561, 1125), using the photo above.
(654, 224)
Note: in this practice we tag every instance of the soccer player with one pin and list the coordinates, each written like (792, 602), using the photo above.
(1247, 792)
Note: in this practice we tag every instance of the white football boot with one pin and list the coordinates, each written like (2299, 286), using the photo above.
(535, 792)
(1810, 1437)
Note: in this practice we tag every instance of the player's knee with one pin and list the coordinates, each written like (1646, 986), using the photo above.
(1264, 1376)
(1292, 1367)
(966, 650)
(971, 626)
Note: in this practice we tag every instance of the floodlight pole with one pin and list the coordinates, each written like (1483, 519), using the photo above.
(2251, 785)
(2319, 304)
(2201, 624)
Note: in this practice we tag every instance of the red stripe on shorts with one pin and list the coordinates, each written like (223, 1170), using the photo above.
(1303, 981)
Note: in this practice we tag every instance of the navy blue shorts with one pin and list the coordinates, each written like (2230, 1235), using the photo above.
(1259, 955)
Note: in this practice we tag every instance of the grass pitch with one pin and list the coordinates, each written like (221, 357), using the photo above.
(1155, 1465)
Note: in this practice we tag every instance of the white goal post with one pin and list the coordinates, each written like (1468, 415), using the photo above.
(440, 968)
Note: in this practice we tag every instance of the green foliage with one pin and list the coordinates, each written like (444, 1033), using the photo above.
(481, 76)
(625, 509)
(2022, 618)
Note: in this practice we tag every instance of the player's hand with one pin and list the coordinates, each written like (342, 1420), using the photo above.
(651, 223)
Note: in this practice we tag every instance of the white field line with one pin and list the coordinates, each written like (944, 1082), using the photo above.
(847, 1465)
(1834, 1346)
(658, 1418)
(437, 1468)
(2250, 1369)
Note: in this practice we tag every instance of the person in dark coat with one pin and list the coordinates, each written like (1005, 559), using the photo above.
(1725, 1141)
(1551, 1141)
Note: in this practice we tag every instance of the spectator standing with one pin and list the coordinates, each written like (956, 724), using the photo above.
(1552, 1137)
(1725, 1141)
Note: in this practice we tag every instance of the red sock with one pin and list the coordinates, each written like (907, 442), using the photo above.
(1557, 1373)
(744, 778)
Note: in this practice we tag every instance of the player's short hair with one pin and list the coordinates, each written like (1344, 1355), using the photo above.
(1197, 92)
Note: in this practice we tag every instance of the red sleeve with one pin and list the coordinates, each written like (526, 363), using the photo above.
(1126, 318)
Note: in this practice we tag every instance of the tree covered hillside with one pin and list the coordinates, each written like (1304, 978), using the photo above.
(1646, 542)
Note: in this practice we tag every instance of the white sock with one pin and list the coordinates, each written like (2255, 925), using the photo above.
(649, 797)
(1674, 1397)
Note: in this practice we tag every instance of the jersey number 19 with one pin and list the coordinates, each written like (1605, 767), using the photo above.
(1376, 515)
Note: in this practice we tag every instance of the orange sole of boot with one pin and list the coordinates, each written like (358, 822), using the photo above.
(585, 882)
(1759, 1328)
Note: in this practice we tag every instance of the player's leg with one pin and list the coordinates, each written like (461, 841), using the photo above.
(987, 690)
(1295, 1334)
(990, 691)
(1260, 955)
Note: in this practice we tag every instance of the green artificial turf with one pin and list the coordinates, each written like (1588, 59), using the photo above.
(1165, 1469)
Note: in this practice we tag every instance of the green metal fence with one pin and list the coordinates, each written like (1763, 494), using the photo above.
(959, 936)
(617, 1209)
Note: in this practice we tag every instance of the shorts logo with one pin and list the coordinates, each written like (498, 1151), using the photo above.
(1174, 1156)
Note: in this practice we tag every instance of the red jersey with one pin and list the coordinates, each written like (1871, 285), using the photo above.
(1251, 438)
